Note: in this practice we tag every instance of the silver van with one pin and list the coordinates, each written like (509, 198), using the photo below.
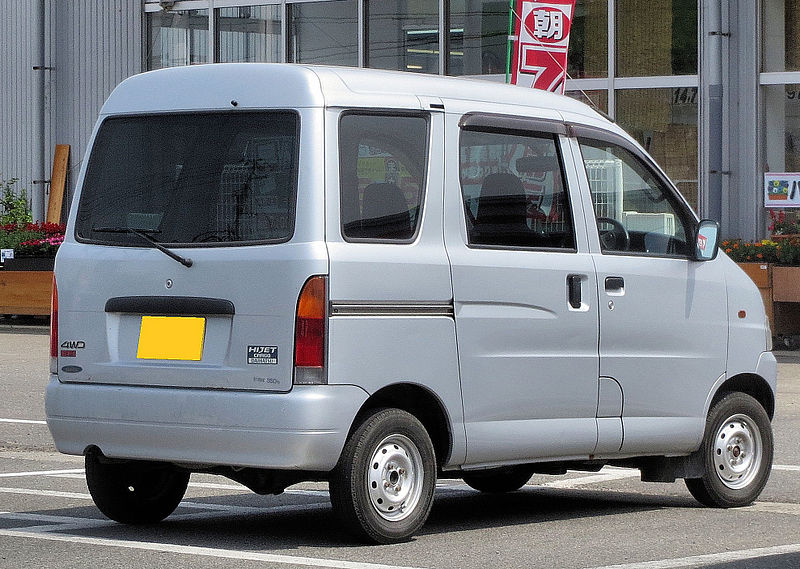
(283, 273)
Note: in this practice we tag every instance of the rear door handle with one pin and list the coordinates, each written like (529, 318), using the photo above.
(574, 290)
(615, 284)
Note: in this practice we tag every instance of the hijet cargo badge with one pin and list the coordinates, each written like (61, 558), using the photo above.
(262, 355)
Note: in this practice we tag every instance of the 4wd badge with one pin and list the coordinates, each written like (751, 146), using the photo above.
(262, 355)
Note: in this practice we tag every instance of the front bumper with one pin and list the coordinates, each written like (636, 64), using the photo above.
(304, 429)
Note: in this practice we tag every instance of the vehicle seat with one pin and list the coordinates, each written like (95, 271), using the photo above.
(384, 213)
(502, 213)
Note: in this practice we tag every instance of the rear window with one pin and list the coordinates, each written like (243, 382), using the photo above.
(192, 179)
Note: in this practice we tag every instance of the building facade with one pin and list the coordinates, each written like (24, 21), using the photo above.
(711, 88)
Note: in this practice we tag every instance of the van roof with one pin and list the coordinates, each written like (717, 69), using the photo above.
(285, 85)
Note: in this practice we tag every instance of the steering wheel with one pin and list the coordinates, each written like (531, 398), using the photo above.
(617, 238)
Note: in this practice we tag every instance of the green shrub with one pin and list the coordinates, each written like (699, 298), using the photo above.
(14, 208)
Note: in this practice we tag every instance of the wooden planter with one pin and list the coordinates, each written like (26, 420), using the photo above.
(785, 284)
(763, 277)
(786, 294)
(30, 264)
(25, 292)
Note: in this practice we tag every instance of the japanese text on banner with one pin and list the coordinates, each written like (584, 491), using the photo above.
(542, 42)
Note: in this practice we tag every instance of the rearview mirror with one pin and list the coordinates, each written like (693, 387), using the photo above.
(707, 240)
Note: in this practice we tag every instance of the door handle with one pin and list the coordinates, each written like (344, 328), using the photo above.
(574, 290)
(615, 284)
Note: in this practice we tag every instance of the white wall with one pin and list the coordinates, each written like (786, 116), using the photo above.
(91, 46)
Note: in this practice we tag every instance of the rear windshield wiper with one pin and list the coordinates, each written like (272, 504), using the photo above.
(143, 233)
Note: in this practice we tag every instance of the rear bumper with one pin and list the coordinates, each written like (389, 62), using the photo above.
(304, 429)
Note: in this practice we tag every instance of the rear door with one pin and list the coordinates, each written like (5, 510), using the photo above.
(220, 189)
(524, 292)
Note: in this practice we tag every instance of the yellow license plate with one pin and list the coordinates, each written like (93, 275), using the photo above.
(171, 338)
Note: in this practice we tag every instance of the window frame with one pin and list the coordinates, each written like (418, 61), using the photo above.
(394, 113)
(682, 208)
(514, 125)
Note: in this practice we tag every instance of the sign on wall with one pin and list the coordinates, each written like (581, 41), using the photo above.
(782, 189)
(542, 41)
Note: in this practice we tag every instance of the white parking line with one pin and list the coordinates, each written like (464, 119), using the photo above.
(787, 508)
(710, 558)
(48, 493)
(200, 551)
(606, 476)
(41, 473)
(23, 421)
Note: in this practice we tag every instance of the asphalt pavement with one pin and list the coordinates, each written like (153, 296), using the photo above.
(580, 520)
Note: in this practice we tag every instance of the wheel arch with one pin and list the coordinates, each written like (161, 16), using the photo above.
(753, 385)
(420, 402)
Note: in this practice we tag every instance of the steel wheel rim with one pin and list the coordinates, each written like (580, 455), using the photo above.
(737, 451)
(395, 477)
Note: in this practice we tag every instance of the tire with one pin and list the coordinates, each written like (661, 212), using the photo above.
(736, 453)
(382, 488)
(499, 480)
(134, 492)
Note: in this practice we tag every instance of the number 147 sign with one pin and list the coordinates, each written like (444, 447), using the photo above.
(542, 42)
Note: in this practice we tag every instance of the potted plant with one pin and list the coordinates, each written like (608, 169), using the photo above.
(27, 245)
(786, 272)
(34, 245)
(783, 227)
(26, 278)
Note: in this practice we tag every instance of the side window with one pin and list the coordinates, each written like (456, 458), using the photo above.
(635, 210)
(382, 165)
(514, 191)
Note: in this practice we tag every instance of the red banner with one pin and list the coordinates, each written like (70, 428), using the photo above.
(542, 40)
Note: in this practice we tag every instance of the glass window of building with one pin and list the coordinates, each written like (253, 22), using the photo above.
(177, 38)
(249, 33)
(597, 99)
(588, 43)
(324, 32)
(403, 35)
(781, 35)
(782, 128)
(664, 122)
(478, 37)
(657, 38)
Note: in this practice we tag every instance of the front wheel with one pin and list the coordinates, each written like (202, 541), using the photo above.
(134, 492)
(736, 453)
(382, 488)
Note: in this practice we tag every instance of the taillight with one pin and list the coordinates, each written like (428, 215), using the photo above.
(54, 328)
(309, 333)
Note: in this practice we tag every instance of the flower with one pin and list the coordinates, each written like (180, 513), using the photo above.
(762, 251)
(32, 239)
(780, 225)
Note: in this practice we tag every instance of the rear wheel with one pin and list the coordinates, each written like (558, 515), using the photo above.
(382, 488)
(736, 453)
(134, 492)
(499, 480)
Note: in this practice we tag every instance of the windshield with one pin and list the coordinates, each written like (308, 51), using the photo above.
(192, 179)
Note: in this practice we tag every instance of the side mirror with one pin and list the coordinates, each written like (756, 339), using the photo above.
(707, 240)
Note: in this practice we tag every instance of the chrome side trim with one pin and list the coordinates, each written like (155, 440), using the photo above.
(358, 309)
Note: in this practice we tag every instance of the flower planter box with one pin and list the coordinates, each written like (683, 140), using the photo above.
(30, 264)
(762, 276)
(25, 292)
(786, 284)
